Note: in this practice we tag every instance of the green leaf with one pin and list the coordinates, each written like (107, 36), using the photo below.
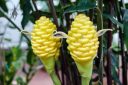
(25, 20)
(1, 15)
(8, 57)
(115, 64)
(16, 51)
(116, 48)
(125, 30)
(113, 20)
(3, 5)
(26, 6)
(125, 17)
(114, 59)
(11, 26)
(126, 5)
(126, 33)
(115, 75)
(83, 5)
(17, 64)
(12, 56)
(7, 39)
(20, 81)
(30, 57)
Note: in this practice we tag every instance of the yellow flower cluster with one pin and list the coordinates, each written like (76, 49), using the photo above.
(44, 44)
(82, 39)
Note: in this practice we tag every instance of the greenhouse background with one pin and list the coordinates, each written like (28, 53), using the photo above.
(19, 65)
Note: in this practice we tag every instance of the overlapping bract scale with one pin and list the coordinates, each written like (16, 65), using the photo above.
(44, 44)
(82, 39)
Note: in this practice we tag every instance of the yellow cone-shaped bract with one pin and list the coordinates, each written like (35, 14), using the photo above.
(83, 44)
(44, 45)
(82, 39)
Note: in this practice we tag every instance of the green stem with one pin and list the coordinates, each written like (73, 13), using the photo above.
(85, 81)
(85, 70)
(49, 64)
(100, 50)
(55, 78)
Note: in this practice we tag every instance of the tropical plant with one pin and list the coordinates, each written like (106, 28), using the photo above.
(105, 14)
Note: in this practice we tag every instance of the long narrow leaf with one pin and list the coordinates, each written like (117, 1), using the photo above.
(113, 20)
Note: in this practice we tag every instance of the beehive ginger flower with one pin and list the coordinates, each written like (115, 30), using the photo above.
(83, 44)
(45, 46)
